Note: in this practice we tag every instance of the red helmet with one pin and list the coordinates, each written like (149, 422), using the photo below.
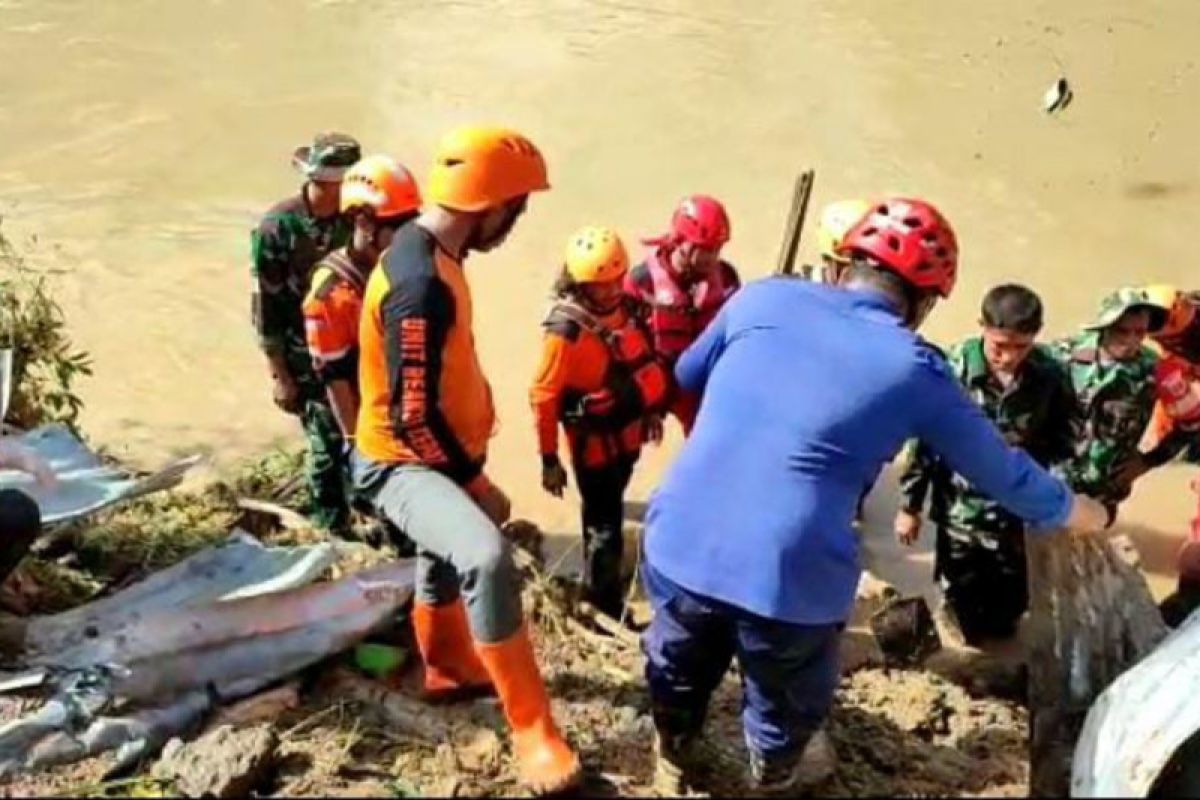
(910, 238)
(701, 220)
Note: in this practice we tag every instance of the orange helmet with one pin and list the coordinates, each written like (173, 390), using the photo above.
(477, 168)
(382, 185)
(596, 255)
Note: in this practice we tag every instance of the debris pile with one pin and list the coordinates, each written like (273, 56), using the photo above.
(319, 725)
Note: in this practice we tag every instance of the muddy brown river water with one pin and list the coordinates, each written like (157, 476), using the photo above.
(139, 139)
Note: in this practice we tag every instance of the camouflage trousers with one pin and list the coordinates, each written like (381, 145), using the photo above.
(328, 468)
(985, 578)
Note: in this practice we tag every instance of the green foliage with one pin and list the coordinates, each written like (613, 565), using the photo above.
(46, 366)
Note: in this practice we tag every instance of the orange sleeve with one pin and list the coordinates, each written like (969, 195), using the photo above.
(545, 395)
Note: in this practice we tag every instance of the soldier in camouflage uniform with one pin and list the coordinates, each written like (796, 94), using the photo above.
(291, 238)
(1112, 374)
(981, 546)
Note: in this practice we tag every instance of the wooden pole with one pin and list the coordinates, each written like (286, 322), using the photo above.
(794, 227)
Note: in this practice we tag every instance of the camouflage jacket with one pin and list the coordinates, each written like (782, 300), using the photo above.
(1116, 400)
(285, 248)
(1036, 412)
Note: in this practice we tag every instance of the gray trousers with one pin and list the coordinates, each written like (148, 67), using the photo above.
(459, 550)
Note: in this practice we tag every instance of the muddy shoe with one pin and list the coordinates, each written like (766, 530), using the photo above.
(785, 775)
(819, 760)
(674, 756)
(905, 631)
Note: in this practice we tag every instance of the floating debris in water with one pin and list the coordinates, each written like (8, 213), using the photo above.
(1058, 96)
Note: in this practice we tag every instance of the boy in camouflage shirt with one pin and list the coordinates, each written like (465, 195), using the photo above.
(980, 546)
(293, 236)
(1112, 375)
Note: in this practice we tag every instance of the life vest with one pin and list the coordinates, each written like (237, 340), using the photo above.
(679, 316)
(632, 362)
(1178, 391)
(332, 312)
(634, 376)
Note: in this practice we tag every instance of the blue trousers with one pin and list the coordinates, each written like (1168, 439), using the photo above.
(789, 671)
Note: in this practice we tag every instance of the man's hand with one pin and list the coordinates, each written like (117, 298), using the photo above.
(554, 477)
(1088, 515)
(907, 528)
(286, 393)
(490, 499)
(1130, 470)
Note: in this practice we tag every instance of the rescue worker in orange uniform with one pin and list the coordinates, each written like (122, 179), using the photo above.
(684, 283)
(600, 378)
(422, 438)
(378, 196)
(1177, 414)
(1178, 374)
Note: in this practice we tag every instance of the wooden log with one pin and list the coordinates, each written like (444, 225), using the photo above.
(398, 711)
(288, 519)
(263, 707)
(1091, 617)
(608, 625)
(794, 226)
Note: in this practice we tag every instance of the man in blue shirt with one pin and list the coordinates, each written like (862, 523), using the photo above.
(807, 391)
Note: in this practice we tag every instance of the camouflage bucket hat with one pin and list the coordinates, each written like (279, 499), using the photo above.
(1116, 304)
(328, 157)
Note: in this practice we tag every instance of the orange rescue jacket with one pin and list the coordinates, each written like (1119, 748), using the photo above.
(583, 354)
(331, 316)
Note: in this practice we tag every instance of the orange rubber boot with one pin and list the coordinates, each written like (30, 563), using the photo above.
(452, 667)
(547, 764)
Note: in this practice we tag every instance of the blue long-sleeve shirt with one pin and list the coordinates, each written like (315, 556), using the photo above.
(807, 391)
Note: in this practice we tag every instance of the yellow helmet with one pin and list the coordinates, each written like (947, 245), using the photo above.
(479, 167)
(1162, 294)
(596, 255)
(836, 219)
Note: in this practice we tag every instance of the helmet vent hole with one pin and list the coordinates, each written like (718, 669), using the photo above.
(912, 222)
(894, 242)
